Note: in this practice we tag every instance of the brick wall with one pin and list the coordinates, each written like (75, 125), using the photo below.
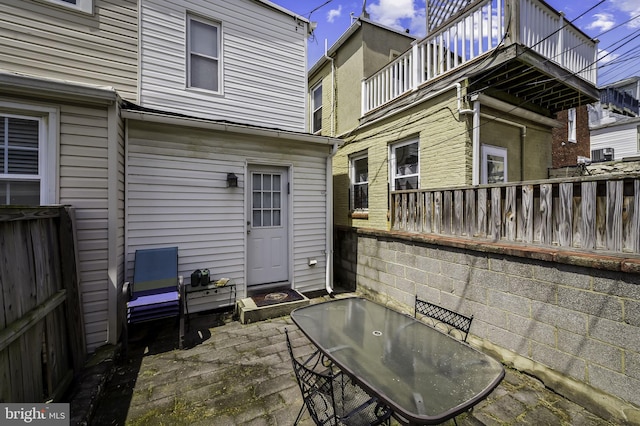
(576, 323)
(566, 153)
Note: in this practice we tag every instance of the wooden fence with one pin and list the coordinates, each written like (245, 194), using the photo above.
(41, 331)
(590, 214)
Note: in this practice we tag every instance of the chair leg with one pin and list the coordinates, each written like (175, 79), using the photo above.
(299, 417)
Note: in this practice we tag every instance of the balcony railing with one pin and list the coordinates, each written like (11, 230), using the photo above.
(476, 33)
(593, 214)
(620, 100)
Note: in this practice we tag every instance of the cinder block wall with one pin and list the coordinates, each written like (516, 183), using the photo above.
(577, 328)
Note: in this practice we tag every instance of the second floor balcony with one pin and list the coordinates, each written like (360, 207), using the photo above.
(521, 47)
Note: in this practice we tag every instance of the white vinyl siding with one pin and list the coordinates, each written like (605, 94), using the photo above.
(52, 42)
(623, 138)
(177, 195)
(85, 6)
(83, 185)
(264, 63)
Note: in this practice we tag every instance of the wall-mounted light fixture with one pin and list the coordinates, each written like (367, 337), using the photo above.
(232, 180)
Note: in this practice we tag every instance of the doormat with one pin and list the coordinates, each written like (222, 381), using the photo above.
(275, 297)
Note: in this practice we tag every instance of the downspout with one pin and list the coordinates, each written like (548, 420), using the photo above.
(333, 90)
(475, 178)
(329, 214)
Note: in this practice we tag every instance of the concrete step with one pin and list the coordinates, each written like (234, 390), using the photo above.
(249, 312)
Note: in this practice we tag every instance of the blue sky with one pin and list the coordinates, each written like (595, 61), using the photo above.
(616, 23)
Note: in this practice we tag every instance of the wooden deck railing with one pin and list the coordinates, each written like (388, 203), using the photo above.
(589, 214)
(475, 33)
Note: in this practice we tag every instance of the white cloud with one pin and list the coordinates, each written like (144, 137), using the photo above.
(603, 22)
(391, 12)
(334, 13)
(629, 7)
(605, 57)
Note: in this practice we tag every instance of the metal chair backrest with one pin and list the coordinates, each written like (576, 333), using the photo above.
(316, 386)
(451, 320)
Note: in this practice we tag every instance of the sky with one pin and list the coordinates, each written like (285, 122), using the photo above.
(615, 23)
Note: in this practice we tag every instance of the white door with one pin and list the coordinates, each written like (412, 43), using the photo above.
(267, 239)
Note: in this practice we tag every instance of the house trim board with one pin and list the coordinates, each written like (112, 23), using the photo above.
(159, 117)
(112, 223)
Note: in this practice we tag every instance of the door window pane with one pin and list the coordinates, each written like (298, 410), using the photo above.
(267, 199)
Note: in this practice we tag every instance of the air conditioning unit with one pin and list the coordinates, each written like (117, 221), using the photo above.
(602, 154)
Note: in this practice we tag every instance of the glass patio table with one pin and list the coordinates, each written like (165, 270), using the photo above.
(425, 376)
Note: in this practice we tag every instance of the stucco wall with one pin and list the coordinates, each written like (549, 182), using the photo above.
(571, 326)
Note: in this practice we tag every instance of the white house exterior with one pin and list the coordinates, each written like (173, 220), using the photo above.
(141, 147)
(622, 135)
(260, 56)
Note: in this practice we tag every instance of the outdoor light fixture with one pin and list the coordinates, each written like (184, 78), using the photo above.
(232, 180)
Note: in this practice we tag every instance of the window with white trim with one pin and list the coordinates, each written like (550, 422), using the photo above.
(494, 164)
(204, 69)
(85, 6)
(316, 108)
(20, 140)
(571, 125)
(405, 166)
(359, 170)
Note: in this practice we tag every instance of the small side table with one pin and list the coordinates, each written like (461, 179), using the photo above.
(217, 294)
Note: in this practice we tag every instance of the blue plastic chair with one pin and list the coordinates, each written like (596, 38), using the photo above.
(156, 291)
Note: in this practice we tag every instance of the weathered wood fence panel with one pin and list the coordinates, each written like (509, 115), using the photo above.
(592, 213)
(41, 332)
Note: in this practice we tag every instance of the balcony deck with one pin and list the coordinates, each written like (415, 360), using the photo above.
(521, 46)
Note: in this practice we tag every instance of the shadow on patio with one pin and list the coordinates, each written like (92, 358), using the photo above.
(235, 374)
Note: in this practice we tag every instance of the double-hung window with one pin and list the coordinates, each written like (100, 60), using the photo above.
(204, 70)
(316, 108)
(359, 183)
(571, 125)
(20, 163)
(405, 167)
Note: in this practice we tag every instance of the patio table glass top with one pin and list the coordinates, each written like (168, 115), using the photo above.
(424, 375)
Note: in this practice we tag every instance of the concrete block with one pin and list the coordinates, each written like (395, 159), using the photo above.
(508, 340)
(532, 329)
(509, 302)
(632, 364)
(536, 290)
(562, 318)
(470, 292)
(395, 269)
(429, 264)
(615, 383)
(589, 302)
(511, 266)
(625, 286)
(562, 362)
(591, 350)
(567, 275)
(456, 272)
(407, 286)
(406, 259)
(418, 276)
(632, 312)
(616, 333)
(440, 282)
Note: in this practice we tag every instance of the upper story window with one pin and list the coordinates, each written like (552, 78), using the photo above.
(359, 166)
(571, 124)
(316, 108)
(405, 167)
(203, 54)
(85, 6)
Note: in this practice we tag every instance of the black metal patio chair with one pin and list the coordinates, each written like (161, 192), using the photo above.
(331, 397)
(446, 320)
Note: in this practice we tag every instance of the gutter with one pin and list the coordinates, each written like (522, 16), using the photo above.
(329, 214)
(201, 123)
